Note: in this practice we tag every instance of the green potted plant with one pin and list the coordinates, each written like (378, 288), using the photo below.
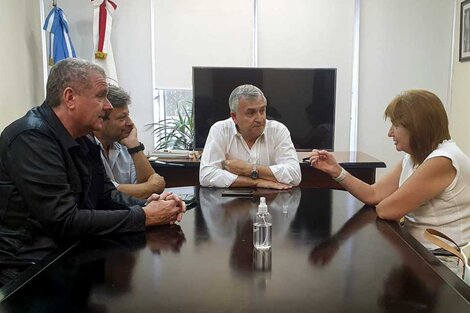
(175, 132)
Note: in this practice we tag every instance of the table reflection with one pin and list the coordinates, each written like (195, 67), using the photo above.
(165, 238)
(408, 287)
(90, 277)
(228, 217)
(262, 260)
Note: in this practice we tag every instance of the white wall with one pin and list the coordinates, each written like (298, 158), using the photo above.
(21, 79)
(299, 33)
(131, 40)
(403, 45)
(460, 108)
(200, 33)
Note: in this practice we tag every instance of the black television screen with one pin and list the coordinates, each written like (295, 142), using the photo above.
(301, 99)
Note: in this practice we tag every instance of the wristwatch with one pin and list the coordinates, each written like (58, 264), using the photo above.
(140, 147)
(254, 172)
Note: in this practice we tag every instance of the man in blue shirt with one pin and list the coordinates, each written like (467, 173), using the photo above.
(122, 153)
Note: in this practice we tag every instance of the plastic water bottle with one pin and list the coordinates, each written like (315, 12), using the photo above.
(262, 227)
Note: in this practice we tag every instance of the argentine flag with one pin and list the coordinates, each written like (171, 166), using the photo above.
(60, 45)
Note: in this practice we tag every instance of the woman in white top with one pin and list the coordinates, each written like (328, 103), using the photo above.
(430, 188)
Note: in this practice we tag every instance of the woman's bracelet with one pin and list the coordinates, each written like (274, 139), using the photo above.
(341, 176)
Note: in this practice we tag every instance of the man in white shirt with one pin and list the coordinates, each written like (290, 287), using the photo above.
(246, 150)
(122, 153)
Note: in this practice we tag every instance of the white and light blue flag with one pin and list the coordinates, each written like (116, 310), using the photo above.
(60, 44)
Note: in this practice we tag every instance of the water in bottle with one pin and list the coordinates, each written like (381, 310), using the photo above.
(262, 227)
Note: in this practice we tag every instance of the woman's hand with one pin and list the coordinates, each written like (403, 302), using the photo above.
(325, 161)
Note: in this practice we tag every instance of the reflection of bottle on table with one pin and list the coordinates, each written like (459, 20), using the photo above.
(262, 260)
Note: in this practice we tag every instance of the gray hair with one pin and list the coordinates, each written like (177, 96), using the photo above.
(118, 97)
(69, 72)
(249, 92)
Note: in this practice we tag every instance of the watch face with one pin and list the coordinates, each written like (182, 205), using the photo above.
(254, 174)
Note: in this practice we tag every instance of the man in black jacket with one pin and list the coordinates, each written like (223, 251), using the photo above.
(53, 186)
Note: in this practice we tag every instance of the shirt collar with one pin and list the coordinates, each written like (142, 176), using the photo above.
(114, 146)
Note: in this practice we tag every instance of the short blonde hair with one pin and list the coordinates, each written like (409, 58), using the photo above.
(422, 113)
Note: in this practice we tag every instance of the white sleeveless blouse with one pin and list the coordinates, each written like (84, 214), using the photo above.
(449, 212)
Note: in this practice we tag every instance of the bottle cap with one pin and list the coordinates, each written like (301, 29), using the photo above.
(262, 207)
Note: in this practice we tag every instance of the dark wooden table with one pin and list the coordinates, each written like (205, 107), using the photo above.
(329, 254)
(184, 172)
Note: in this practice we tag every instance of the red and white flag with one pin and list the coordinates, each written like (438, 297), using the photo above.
(103, 11)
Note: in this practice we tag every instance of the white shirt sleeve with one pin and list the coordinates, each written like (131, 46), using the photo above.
(287, 168)
(211, 173)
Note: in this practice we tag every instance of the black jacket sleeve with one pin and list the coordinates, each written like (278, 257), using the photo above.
(53, 189)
